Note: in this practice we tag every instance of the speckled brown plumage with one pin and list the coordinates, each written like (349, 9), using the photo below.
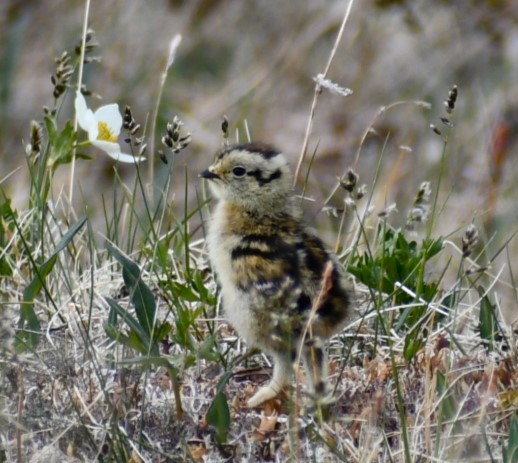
(270, 266)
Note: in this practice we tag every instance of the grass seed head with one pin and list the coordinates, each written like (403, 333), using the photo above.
(469, 240)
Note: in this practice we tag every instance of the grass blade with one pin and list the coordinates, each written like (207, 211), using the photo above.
(28, 324)
(140, 294)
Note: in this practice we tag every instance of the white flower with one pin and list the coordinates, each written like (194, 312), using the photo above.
(103, 127)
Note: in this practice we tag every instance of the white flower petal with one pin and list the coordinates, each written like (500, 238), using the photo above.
(81, 108)
(111, 115)
(85, 116)
(127, 158)
(114, 151)
(93, 126)
(108, 146)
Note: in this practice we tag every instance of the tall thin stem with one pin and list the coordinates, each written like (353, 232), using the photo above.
(79, 81)
(318, 90)
(175, 42)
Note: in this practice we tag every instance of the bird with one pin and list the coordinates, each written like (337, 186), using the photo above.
(281, 290)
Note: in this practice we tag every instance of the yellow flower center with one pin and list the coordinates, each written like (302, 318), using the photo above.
(105, 132)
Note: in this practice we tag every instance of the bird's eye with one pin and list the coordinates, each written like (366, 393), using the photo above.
(239, 171)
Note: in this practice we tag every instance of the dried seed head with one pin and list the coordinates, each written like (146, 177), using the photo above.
(142, 150)
(447, 122)
(127, 118)
(184, 142)
(172, 138)
(423, 194)
(387, 211)
(334, 211)
(452, 99)
(85, 90)
(350, 203)
(167, 141)
(435, 129)
(417, 215)
(162, 156)
(349, 182)
(92, 59)
(90, 43)
(361, 192)
(224, 128)
(64, 70)
(323, 82)
(420, 210)
(128, 121)
(469, 240)
(132, 128)
(33, 148)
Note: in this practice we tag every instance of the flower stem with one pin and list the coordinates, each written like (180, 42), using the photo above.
(79, 80)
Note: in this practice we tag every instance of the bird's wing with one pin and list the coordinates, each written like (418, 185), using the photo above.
(268, 268)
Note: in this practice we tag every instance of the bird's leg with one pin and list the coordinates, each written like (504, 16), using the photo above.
(282, 368)
(315, 361)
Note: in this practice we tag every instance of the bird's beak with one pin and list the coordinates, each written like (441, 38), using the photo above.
(208, 174)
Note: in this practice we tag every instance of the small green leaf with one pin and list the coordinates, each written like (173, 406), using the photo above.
(161, 332)
(67, 237)
(487, 319)
(218, 416)
(413, 343)
(183, 291)
(112, 317)
(7, 226)
(184, 320)
(61, 144)
(433, 247)
(50, 125)
(140, 294)
(83, 156)
(115, 334)
(510, 452)
(207, 349)
(137, 336)
(225, 377)
(447, 407)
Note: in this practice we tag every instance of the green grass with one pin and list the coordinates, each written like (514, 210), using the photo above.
(114, 348)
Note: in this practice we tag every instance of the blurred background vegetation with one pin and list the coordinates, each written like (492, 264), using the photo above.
(255, 61)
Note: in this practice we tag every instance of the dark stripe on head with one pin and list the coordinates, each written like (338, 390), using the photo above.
(265, 150)
(264, 180)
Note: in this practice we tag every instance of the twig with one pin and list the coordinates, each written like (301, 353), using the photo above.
(173, 46)
(318, 90)
(79, 80)
(21, 400)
